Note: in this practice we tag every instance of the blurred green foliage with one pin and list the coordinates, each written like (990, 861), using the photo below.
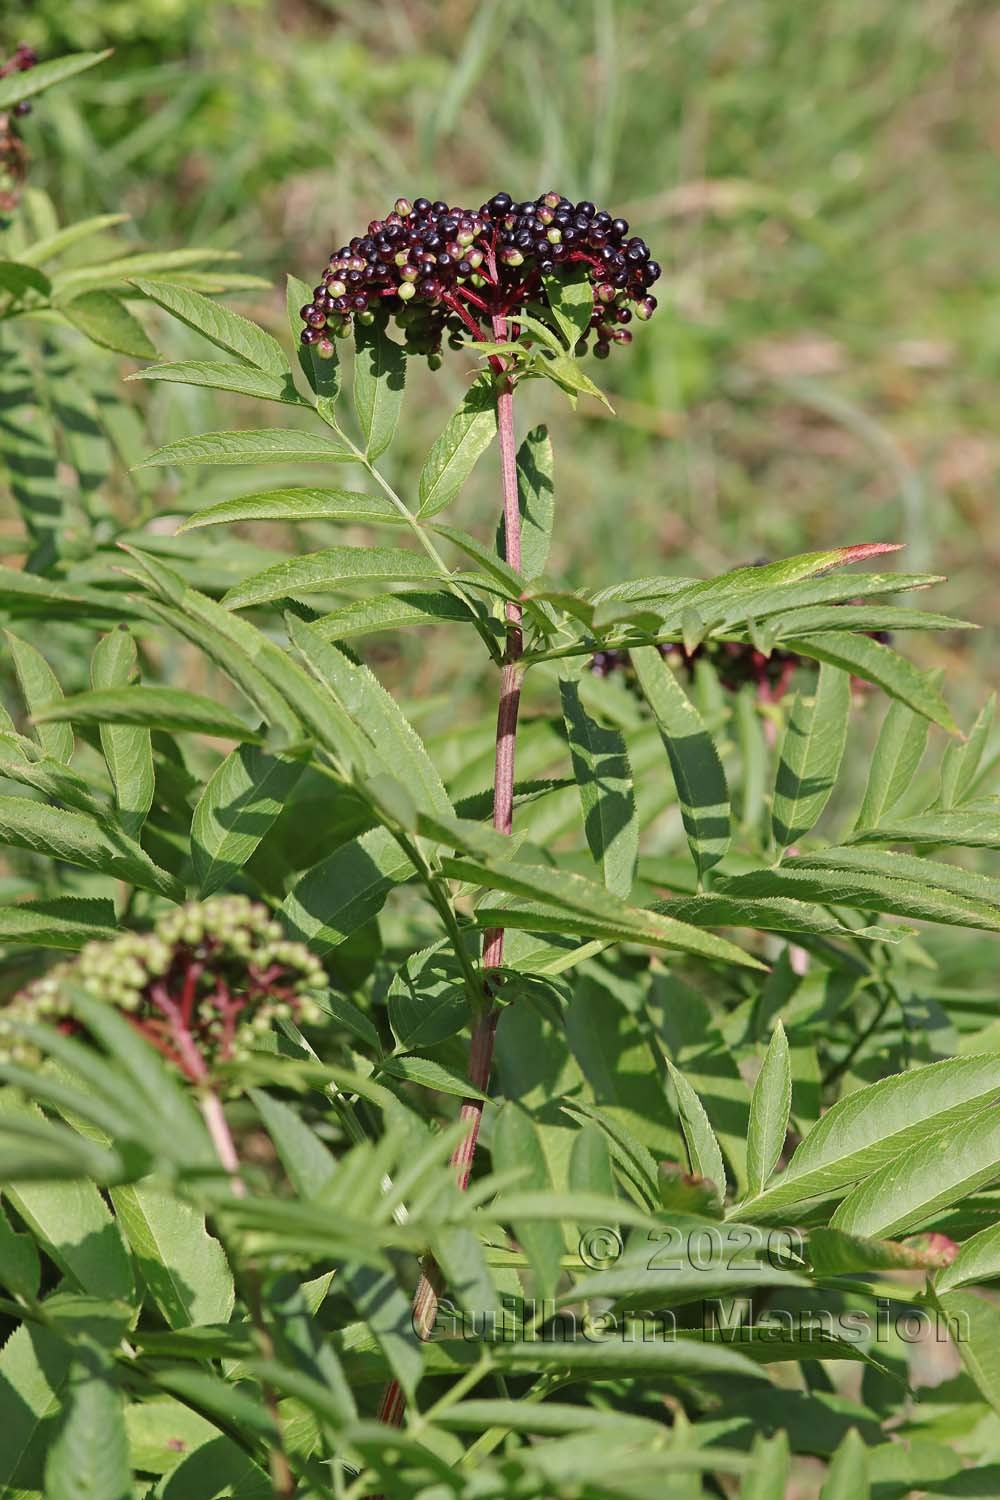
(814, 178)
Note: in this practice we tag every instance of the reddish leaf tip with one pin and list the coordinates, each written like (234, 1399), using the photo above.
(861, 550)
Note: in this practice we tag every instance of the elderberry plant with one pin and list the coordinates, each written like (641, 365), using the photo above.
(496, 1110)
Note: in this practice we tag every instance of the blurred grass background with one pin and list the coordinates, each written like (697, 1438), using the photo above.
(819, 180)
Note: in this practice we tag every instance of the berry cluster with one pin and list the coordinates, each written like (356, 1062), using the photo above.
(735, 662)
(442, 271)
(13, 159)
(200, 986)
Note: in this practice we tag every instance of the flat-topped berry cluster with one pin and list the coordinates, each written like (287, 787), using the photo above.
(451, 272)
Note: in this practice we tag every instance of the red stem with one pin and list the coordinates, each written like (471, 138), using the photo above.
(225, 1148)
(189, 993)
(430, 1286)
(463, 313)
(471, 296)
(153, 1032)
(191, 1059)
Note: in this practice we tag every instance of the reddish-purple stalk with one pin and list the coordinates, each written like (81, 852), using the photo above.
(431, 1284)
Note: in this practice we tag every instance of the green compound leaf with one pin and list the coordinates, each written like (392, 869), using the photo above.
(568, 902)
(41, 690)
(694, 760)
(876, 663)
(106, 321)
(127, 748)
(263, 447)
(379, 383)
(326, 572)
(241, 800)
(222, 327)
(151, 708)
(82, 840)
(770, 1107)
(811, 751)
(18, 86)
(873, 1128)
(898, 752)
(607, 796)
(226, 375)
(295, 505)
(457, 451)
(925, 1178)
